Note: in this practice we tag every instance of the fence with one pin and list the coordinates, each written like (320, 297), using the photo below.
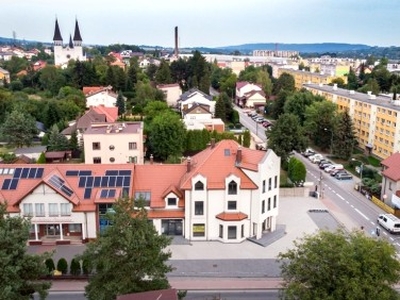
(385, 207)
(294, 192)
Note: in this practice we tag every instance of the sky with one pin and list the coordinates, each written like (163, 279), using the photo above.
(207, 23)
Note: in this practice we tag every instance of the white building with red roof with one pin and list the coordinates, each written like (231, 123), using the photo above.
(390, 192)
(225, 193)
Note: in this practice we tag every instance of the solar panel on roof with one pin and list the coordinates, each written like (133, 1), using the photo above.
(119, 181)
(88, 192)
(89, 181)
(13, 185)
(82, 182)
(6, 184)
(39, 173)
(55, 181)
(25, 172)
(17, 172)
(125, 172)
(97, 181)
(103, 193)
(85, 173)
(111, 182)
(111, 193)
(32, 173)
(127, 180)
(104, 181)
(66, 190)
(72, 173)
(111, 172)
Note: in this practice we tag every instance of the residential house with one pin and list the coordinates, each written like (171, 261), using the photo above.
(193, 97)
(249, 95)
(225, 193)
(390, 192)
(198, 117)
(4, 76)
(172, 93)
(114, 143)
(96, 96)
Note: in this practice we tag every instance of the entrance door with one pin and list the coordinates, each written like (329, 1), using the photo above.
(52, 229)
(172, 227)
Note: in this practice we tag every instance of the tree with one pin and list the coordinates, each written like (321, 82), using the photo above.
(296, 171)
(73, 141)
(18, 129)
(163, 74)
(120, 104)
(41, 159)
(246, 139)
(220, 111)
(265, 82)
(57, 141)
(285, 82)
(352, 80)
(340, 265)
(129, 257)
(277, 107)
(20, 272)
(344, 137)
(297, 103)
(167, 136)
(285, 136)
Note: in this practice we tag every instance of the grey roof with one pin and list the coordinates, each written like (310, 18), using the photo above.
(382, 101)
(57, 33)
(188, 94)
(77, 34)
(35, 149)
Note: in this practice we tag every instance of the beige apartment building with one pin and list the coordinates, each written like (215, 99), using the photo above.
(375, 118)
(114, 143)
(302, 77)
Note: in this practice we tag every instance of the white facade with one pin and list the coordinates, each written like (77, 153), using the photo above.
(197, 98)
(104, 97)
(172, 93)
(246, 89)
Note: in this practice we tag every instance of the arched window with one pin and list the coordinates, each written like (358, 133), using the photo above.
(232, 188)
(199, 186)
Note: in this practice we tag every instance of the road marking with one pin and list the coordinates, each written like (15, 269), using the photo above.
(364, 216)
(352, 206)
(373, 223)
(398, 244)
(340, 197)
(392, 239)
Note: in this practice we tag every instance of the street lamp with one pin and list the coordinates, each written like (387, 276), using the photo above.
(331, 147)
(360, 169)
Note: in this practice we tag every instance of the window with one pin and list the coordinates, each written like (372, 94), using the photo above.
(242, 229)
(65, 209)
(132, 145)
(96, 146)
(74, 228)
(146, 196)
(97, 160)
(39, 210)
(133, 159)
(231, 232)
(111, 147)
(53, 209)
(276, 182)
(221, 231)
(199, 229)
(198, 208)
(269, 203)
(28, 210)
(199, 186)
(231, 205)
(263, 206)
(269, 184)
(390, 185)
(232, 188)
(263, 186)
(171, 201)
(275, 201)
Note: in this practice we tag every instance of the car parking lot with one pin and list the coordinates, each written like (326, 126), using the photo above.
(259, 119)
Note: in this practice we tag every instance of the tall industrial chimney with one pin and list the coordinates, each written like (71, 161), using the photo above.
(176, 42)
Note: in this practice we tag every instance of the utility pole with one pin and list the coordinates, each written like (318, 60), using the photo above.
(321, 195)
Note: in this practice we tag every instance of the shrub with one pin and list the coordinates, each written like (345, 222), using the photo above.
(50, 265)
(75, 268)
(86, 267)
(62, 265)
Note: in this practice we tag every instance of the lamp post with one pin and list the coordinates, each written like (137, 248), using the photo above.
(360, 169)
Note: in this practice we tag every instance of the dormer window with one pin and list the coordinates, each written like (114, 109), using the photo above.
(199, 186)
(172, 201)
(232, 188)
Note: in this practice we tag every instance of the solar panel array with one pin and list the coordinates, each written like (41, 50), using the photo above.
(111, 179)
(59, 184)
(21, 173)
(107, 193)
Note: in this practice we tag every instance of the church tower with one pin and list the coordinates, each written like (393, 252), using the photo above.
(72, 50)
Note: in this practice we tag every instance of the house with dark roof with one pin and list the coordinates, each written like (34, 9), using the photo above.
(199, 117)
(195, 96)
(249, 95)
(226, 193)
(390, 192)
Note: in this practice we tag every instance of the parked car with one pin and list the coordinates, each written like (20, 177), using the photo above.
(390, 222)
(343, 176)
(316, 158)
(308, 152)
(330, 168)
(334, 172)
(324, 164)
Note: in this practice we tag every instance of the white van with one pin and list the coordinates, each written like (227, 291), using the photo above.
(390, 222)
(333, 167)
(316, 158)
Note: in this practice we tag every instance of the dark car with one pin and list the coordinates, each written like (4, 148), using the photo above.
(334, 172)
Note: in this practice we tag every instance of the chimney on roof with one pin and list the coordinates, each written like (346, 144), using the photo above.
(189, 164)
(239, 155)
(151, 159)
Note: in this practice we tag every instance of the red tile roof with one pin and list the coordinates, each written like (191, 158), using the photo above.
(392, 167)
(165, 214)
(91, 89)
(241, 84)
(230, 216)
(111, 113)
(218, 162)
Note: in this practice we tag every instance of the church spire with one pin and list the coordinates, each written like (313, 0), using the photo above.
(57, 33)
(70, 45)
(77, 34)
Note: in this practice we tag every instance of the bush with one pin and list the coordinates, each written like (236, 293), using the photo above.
(75, 268)
(62, 265)
(86, 267)
(50, 265)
